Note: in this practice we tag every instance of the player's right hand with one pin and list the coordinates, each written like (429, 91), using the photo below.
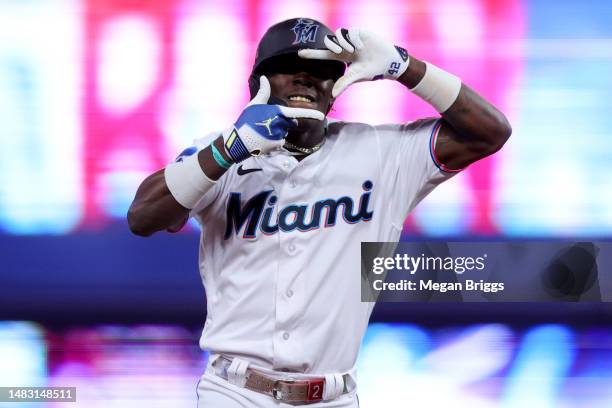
(262, 128)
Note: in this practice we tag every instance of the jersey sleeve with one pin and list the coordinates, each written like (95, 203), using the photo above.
(410, 164)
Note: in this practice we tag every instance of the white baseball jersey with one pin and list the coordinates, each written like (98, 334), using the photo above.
(280, 243)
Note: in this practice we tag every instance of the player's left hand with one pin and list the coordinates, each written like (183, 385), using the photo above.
(369, 56)
(262, 127)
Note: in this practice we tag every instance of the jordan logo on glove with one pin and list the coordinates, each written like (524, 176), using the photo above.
(267, 124)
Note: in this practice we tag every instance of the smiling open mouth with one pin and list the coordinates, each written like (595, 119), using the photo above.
(301, 98)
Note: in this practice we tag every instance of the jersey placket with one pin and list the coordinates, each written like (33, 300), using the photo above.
(287, 344)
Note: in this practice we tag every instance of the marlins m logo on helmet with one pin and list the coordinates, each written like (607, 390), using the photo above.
(305, 31)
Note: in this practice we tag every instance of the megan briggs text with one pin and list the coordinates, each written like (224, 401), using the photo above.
(468, 285)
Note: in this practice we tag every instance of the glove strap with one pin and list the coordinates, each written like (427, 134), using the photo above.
(397, 66)
(235, 147)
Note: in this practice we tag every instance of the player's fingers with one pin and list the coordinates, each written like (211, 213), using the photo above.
(319, 54)
(302, 113)
(264, 92)
(331, 42)
(355, 36)
(344, 82)
(286, 122)
(342, 35)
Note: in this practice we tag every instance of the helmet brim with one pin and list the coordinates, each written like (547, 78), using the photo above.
(333, 69)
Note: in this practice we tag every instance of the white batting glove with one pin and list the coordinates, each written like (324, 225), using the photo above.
(262, 128)
(369, 56)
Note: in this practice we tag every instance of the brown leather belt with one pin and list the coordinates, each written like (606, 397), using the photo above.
(295, 392)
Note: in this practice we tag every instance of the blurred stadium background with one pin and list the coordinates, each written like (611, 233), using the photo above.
(96, 94)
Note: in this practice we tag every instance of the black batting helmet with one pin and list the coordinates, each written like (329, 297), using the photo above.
(286, 38)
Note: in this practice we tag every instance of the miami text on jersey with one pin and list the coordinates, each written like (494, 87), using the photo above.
(258, 213)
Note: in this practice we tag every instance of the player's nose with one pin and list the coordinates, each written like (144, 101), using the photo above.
(303, 78)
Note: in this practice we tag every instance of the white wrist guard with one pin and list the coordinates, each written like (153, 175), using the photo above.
(186, 180)
(438, 87)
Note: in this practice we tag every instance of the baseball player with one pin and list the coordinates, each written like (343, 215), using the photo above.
(285, 196)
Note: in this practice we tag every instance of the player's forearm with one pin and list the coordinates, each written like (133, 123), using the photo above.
(208, 163)
(471, 116)
(478, 121)
(413, 74)
(155, 208)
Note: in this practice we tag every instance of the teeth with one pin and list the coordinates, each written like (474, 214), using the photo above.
(299, 99)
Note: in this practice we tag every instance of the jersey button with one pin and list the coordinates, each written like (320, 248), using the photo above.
(291, 247)
(289, 293)
(292, 184)
(286, 164)
(286, 335)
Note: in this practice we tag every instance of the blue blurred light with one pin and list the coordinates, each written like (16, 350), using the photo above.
(540, 368)
(23, 353)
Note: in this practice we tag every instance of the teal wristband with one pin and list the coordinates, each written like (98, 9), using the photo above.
(219, 157)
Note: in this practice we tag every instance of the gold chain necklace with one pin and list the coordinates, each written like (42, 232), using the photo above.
(304, 150)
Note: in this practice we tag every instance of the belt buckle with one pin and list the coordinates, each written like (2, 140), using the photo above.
(277, 393)
(315, 390)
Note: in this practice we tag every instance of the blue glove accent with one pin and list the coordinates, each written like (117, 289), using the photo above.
(267, 120)
(236, 148)
(259, 120)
